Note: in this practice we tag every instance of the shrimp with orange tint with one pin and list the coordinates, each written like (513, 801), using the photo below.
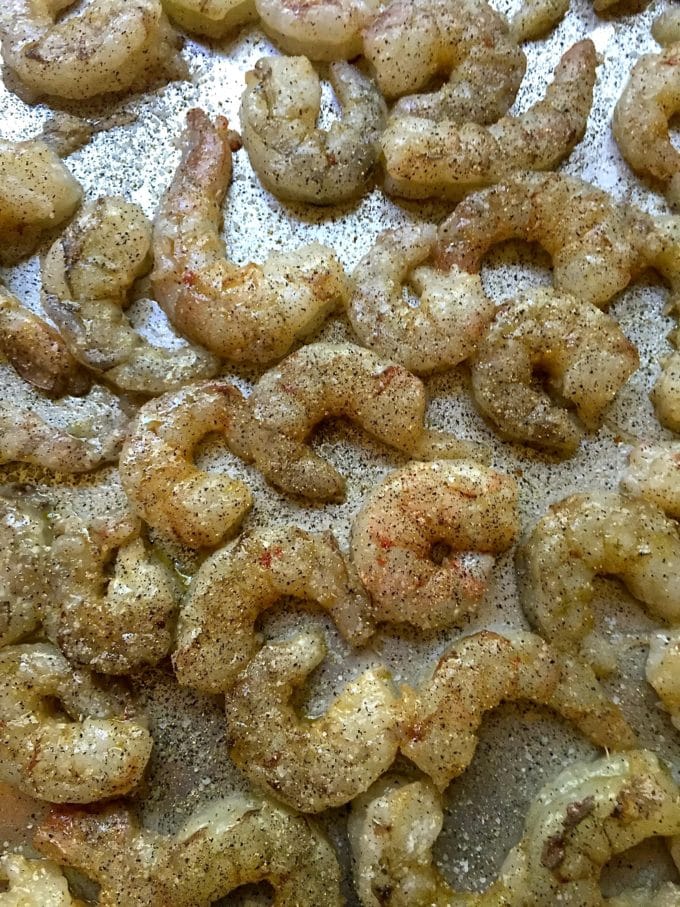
(319, 29)
(467, 510)
(34, 883)
(653, 473)
(213, 18)
(250, 314)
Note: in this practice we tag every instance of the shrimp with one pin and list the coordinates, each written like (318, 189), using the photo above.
(213, 18)
(235, 841)
(453, 310)
(535, 18)
(441, 719)
(86, 275)
(664, 255)
(311, 764)
(34, 883)
(322, 380)
(319, 29)
(424, 159)
(467, 509)
(667, 895)
(250, 314)
(216, 636)
(110, 46)
(640, 122)
(666, 27)
(575, 825)
(654, 474)
(409, 43)
(586, 535)
(92, 750)
(296, 160)
(663, 671)
(583, 351)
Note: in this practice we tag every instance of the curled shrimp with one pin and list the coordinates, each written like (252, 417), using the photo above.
(213, 18)
(441, 719)
(111, 45)
(666, 27)
(319, 29)
(86, 276)
(640, 122)
(216, 636)
(410, 42)
(584, 352)
(574, 826)
(250, 314)
(467, 509)
(324, 379)
(311, 764)
(295, 159)
(92, 752)
(446, 325)
(34, 883)
(654, 474)
(235, 841)
(424, 159)
(663, 670)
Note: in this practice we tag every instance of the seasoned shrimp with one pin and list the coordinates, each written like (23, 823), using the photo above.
(535, 18)
(411, 41)
(34, 883)
(86, 276)
(319, 29)
(640, 122)
(576, 824)
(424, 159)
(666, 27)
(663, 671)
(667, 895)
(441, 719)
(654, 474)
(584, 353)
(89, 751)
(235, 841)
(251, 314)
(591, 534)
(324, 379)
(111, 45)
(468, 509)
(446, 325)
(37, 351)
(311, 764)
(663, 254)
(214, 18)
(296, 160)
(216, 636)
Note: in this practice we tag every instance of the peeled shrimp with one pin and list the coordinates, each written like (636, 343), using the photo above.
(666, 27)
(583, 351)
(214, 18)
(663, 670)
(535, 18)
(664, 255)
(640, 122)
(319, 29)
(311, 764)
(592, 534)
(111, 45)
(235, 841)
(216, 636)
(324, 379)
(296, 160)
(441, 719)
(446, 325)
(411, 41)
(667, 895)
(424, 159)
(86, 276)
(469, 509)
(92, 753)
(576, 824)
(654, 474)
(34, 883)
(251, 314)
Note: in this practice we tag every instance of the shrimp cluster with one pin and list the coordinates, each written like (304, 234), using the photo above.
(296, 160)
(34, 883)
(213, 18)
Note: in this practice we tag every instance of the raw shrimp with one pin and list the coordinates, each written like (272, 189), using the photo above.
(441, 719)
(640, 122)
(86, 276)
(411, 42)
(450, 318)
(584, 353)
(34, 883)
(654, 474)
(250, 314)
(111, 45)
(214, 18)
(468, 510)
(666, 27)
(235, 841)
(319, 29)
(575, 825)
(295, 159)
(322, 380)
(316, 763)
(424, 159)
(591, 534)
(216, 636)
(157, 471)
(663, 670)
(88, 750)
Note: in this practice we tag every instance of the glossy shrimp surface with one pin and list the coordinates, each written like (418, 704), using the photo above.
(34, 883)
(213, 18)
